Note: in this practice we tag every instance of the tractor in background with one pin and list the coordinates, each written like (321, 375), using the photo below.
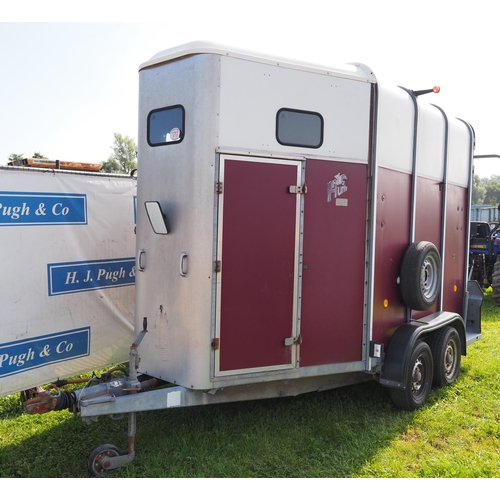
(484, 266)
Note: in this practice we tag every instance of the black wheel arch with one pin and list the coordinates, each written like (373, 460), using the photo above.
(403, 340)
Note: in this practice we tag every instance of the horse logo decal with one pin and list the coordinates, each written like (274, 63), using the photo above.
(337, 187)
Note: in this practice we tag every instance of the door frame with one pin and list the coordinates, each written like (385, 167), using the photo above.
(299, 220)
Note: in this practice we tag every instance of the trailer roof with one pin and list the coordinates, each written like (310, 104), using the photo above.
(354, 71)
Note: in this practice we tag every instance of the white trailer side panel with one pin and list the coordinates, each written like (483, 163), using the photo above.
(68, 256)
(460, 153)
(395, 129)
(252, 93)
(431, 142)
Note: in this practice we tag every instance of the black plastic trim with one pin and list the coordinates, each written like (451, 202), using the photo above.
(404, 339)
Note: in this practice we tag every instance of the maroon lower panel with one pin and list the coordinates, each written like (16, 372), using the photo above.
(455, 250)
(428, 221)
(392, 238)
(335, 209)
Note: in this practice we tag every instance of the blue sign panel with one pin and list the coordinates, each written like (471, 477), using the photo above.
(71, 277)
(33, 353)
(42, 209)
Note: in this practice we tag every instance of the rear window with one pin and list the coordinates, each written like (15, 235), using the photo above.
(295, 127)
(166, 126)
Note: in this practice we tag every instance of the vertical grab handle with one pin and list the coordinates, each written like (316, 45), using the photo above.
(183, 264)
(140, 261)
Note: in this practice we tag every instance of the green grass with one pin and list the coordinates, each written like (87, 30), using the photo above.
(349, 432)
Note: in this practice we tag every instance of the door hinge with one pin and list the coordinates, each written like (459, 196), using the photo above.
(218, 187)
(297, 189)
(217, 266)
(293, 341)
(215, 344)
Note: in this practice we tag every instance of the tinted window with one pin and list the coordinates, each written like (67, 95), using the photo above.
(166, 126)
(299, 128)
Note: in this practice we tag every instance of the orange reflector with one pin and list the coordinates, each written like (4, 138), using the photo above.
(386, 303)
(436, 89)
(455, 288)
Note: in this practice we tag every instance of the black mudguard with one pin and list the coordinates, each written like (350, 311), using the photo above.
(394, 369)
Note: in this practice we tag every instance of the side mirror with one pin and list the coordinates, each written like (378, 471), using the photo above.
(156, 217)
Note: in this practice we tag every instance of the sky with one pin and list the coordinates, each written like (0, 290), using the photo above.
(69, 71)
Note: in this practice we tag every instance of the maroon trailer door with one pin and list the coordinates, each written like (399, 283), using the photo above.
(259, 238)
(258, 222)
(334, 263)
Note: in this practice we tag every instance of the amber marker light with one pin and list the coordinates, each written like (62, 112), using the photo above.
(386, 303)
(436, 89)
(455, 288)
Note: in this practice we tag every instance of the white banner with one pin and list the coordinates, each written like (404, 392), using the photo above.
(67, 251)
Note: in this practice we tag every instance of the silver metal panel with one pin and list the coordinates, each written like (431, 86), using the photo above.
(174, 292)
(178, 397)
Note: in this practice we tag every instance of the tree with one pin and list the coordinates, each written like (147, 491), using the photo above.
(492, 196)
(478, 190)
(124, 157)
(14, 157)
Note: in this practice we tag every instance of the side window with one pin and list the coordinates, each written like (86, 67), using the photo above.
(295, 127)
(166, 126)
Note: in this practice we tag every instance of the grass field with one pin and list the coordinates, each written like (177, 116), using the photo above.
(353, 432)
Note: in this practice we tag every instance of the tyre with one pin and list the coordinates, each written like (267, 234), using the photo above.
(418, 377)
(420, 279)
(446, 349)
(495, 283)
(97, 458)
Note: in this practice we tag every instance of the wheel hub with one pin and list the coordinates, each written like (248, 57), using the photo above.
(101, 461)
(428, 281)
(449, 359)
(416, 382)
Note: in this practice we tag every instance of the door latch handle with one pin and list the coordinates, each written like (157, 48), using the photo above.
(141, 260)
(293, 341)
(183, 264)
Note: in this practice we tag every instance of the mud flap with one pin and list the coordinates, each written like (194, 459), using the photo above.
(474, 302)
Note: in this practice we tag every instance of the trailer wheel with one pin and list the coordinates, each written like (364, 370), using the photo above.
(420, 279)
(418, 379)
(96, 462)
(447, 353)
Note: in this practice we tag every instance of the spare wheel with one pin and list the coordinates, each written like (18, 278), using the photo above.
(420, 279)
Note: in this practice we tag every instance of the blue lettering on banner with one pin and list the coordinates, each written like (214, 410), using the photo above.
(72, 277)
(42, 209)
(20, 356)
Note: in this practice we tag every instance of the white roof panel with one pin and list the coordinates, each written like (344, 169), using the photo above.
(354, 71)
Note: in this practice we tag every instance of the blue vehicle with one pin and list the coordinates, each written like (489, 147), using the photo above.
(484, 248)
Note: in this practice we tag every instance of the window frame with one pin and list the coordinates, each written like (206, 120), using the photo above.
(304, 112)
(183, 126)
